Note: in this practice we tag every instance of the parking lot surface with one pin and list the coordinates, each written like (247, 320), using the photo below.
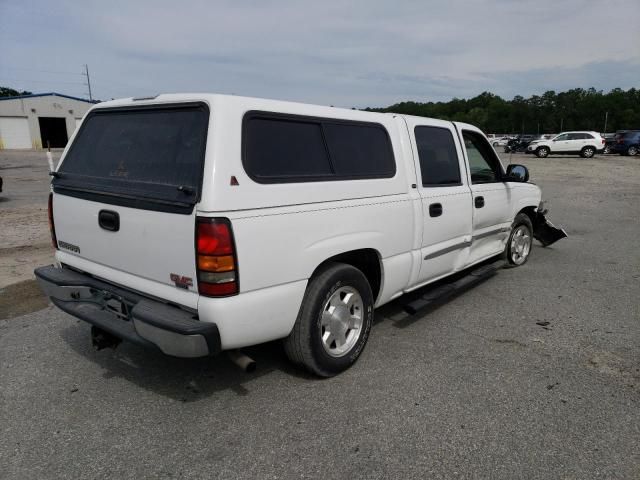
(534, 373)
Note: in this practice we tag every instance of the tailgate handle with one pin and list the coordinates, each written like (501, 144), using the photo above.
(109, 220)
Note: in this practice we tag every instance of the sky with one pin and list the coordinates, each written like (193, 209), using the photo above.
(355, 53)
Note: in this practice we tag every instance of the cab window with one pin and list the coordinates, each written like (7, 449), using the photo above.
(483, 162)
(438, 157)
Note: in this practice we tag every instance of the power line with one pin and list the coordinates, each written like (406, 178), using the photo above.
(42, 71)
(10, 79)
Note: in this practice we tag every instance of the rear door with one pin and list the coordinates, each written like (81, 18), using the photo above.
(446, 198)
(490, 196)
(125, 194)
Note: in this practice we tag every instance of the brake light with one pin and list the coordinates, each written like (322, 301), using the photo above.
(52, 227)
(216, 262)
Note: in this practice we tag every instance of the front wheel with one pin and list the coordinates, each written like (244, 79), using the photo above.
(587, 152)
(520, 240)
(632, 150)
(334, 321)
(542, 152)
(607, 149)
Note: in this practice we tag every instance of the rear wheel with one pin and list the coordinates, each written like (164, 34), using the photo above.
(542, 152)
(632, 150)
(334, 321)
(587, 152)
(607, 149)
(520, 240)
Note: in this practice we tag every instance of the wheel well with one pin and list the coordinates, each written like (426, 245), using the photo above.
(367, 260)
(530, 212)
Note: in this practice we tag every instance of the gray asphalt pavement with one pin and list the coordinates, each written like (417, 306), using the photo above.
(481, 387)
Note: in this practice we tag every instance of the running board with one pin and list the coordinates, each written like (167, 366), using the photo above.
(441, 293)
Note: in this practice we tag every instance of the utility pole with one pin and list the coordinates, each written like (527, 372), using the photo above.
(606, 117)
(86, 73)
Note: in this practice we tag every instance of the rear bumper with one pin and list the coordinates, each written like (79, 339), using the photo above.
(129, 315)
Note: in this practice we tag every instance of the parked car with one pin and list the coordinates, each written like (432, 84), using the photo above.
(609, 140)
(585, 144)
(626, 143)
(499, 141)
(518, 144)
(193, 224)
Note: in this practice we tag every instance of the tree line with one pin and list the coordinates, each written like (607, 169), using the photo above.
(10, 92)
(551, 112)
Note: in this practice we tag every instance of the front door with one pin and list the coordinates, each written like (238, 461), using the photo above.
(446, 198)
(561, 143)
(490, 196)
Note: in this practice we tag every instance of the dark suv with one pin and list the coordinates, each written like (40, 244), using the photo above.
(627, 143)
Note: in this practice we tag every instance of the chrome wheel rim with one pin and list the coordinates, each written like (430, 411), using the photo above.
(588, 152)
(520, 245)
(544, 152)
(633, 150)
(341, 322)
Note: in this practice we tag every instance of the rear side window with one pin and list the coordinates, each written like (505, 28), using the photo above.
(154, 154)
(438, 157)
(290, 148)
(281, 148)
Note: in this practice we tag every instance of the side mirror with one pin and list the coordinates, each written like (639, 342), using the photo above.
(517, 173)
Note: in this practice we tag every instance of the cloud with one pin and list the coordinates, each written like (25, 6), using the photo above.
(358, 53)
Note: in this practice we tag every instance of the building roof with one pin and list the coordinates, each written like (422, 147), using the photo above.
(47, 95)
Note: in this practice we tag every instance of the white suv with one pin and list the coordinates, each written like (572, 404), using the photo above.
(585, 144)
(193, 224)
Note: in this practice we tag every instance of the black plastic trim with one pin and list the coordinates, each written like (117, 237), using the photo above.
(153, 312)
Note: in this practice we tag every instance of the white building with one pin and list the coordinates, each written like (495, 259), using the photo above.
(38, 120)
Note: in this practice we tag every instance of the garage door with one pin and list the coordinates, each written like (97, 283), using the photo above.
(14, 133)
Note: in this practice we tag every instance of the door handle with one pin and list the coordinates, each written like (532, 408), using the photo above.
(109, 220)
(435, 210)
(479, 202)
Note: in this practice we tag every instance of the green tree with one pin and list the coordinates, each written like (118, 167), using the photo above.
(10, 92)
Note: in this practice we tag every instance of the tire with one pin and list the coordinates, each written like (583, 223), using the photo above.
(632, 150)
(311, 344)
(542, 152)
(518, 248)
(587, 152)
(607, 149)
(495, 144)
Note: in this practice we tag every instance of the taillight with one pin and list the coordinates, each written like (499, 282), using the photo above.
(216, 260)
(52, 227)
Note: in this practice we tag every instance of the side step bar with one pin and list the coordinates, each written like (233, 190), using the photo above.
(441, 293)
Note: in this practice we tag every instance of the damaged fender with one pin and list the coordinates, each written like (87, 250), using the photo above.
(543, 230)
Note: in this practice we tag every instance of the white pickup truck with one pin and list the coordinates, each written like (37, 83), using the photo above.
(194, 224)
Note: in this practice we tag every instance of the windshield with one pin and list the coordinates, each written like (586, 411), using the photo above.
(155, 153)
